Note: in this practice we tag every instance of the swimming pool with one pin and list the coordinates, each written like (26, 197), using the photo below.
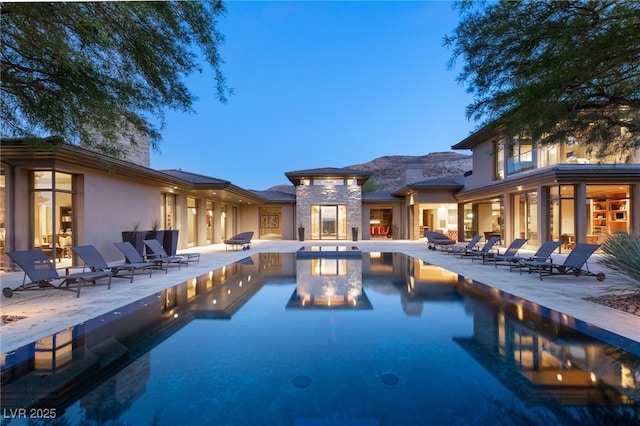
(380, 339)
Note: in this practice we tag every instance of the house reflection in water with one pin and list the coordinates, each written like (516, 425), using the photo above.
(536, 356)
(329, 283)
(427, 283)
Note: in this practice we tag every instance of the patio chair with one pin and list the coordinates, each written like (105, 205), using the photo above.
(44, 275)
(437, 239)
(132, 255)
(543, 254)
(157, 250)
(160, 257)
(93, 260)
(470, 247)
(572, 265)
(241, 240)
(485, 252)
(510, 255)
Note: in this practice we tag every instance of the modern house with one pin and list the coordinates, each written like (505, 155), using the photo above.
(53, 195)
(520, 190)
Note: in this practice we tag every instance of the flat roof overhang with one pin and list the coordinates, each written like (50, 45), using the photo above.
(61, 155)
(563, 174)
(488, 132)
(328, 173)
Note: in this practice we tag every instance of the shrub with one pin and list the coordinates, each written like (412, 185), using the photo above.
(622, 254)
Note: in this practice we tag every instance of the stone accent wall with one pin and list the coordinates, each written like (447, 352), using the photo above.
(307, 195)
(138, 153)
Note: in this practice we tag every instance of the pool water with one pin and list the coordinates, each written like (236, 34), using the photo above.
(381, 340)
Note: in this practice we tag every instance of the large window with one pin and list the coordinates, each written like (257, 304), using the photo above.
(168, 210)
(562, 215)
(380, 223)
(53, 213)
(209, 222)
(470, 212)
(484, 218)
(521, 156)
(608, 209)
(499, 160)
(192, 222)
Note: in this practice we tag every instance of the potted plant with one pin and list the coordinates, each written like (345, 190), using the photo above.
(300, 233)
(136, 237)
(354, 233)
(156, 233)
(170, 241)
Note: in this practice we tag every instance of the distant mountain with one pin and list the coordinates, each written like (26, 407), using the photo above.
(395, 171)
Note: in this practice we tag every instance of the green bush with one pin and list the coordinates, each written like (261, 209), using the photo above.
(622, 254)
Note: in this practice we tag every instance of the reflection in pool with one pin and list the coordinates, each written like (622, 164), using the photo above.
(384, 339)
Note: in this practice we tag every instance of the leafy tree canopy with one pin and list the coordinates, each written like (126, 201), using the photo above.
(552, 70)
(93, 72)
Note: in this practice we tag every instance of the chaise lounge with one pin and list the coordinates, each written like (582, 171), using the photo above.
(485, 252)
(543, 254)
(157, 255)
(93, 260)
(157, 250)
(510, 255)
(242, 240)
(438, 239)
(43, 274)
(468, 248)
(132, 255)
(572, 265)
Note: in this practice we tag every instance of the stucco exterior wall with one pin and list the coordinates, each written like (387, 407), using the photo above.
(435, 196)
(104, 219)
(483, 166)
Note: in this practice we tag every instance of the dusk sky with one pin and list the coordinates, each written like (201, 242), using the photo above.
(321, 84)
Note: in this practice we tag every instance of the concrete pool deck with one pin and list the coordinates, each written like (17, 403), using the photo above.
(47, 312)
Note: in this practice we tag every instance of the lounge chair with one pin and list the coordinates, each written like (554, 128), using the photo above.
(485, 252)
(132, 255)
(242, 240)
(44, 275)
(543, 254)
(470, 247)
(510, 255)
(437, 239)
(572, 265)
(157, 250)
(93, 259)
(160, 257)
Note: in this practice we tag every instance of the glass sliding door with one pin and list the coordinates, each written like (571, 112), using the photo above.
(328, 222)
(561, 216)
(526, 216)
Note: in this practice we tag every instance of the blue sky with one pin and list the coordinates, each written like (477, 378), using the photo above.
(320, 84)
